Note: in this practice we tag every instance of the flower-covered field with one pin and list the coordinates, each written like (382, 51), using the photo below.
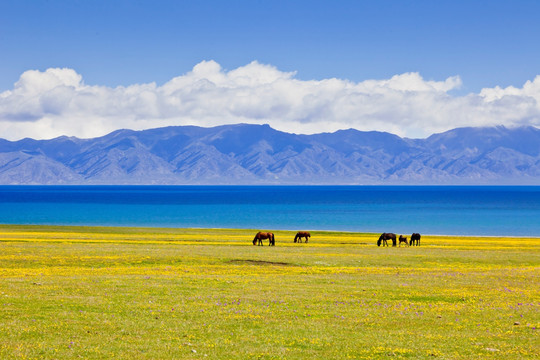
(134, 293)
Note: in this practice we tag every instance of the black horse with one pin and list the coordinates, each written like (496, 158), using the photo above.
(387, 236)
(415, 239)
(264, 235)
(300, 235)
(403, 239)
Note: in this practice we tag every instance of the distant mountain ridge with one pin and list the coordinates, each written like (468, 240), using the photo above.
(258, 154)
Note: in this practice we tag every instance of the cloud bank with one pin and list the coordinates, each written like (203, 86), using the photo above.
(58, 102)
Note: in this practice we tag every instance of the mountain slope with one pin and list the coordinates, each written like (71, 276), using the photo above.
(258, 154)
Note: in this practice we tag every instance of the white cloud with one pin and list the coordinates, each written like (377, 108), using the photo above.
(57, 102)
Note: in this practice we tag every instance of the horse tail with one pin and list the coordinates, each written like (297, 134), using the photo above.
(273, 239)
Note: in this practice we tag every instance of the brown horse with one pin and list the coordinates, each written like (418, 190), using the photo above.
(415, 239)
(403, 239)
(300, 235)
(264, 235)
(387, 236)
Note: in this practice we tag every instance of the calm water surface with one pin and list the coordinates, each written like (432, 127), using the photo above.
(460, 210)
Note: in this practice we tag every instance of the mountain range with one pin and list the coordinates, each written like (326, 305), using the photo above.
(258, 154)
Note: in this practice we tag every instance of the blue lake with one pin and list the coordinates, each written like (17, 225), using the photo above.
(459, 210)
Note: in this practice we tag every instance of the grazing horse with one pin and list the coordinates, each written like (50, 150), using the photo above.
(300, 235)
(264, 235)
(403, 239)
(387, 236)
(415, 239)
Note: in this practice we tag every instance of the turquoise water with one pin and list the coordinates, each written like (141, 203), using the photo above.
(459, 210)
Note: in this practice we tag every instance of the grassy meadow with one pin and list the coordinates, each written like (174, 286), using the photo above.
(139, 293)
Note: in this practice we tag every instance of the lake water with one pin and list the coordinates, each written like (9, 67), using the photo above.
(459, 210)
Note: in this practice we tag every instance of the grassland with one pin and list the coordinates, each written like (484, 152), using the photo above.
(130, 293)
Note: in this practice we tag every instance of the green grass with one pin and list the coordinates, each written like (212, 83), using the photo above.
(135, 293)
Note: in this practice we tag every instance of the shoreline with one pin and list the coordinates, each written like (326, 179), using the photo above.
(173, 229)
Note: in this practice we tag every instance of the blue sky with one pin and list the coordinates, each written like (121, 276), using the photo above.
(485, 44)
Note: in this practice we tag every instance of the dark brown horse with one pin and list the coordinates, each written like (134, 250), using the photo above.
(387, 236)
(300, 235)
(415, 239)
(264, 235)
(403, 239)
